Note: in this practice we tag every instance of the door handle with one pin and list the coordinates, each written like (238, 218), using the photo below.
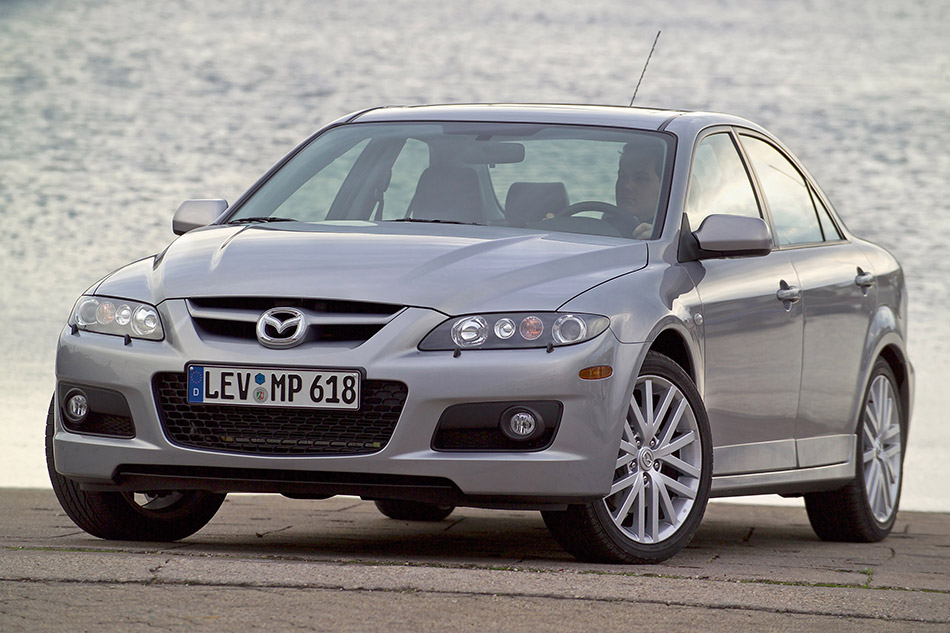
(865, 280)
(789, 294)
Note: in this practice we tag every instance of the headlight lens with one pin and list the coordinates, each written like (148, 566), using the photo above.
(568, 329)
(470, 331)
(120, 317)
(514, 330)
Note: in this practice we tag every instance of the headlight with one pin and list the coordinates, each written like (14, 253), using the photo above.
(120, 317)
(514, 330)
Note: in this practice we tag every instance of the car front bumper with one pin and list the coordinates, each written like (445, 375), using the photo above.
(578, 465)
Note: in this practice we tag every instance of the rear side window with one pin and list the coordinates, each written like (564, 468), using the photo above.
(719, 183)
(786, 192)
(828, 228)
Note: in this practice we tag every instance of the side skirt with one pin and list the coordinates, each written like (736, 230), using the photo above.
(787, 482)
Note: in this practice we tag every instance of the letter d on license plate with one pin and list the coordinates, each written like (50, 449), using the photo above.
(312, 388)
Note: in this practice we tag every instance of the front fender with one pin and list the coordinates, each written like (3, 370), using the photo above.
(647, 304)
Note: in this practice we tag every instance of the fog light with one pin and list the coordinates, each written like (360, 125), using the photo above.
(76, 406)
(521, 423)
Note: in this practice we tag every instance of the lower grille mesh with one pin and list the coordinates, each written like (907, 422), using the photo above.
(102, 424)
(280, 430)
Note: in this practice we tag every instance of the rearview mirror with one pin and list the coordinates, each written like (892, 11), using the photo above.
(733, 236)
(493, 153)
(192, 214)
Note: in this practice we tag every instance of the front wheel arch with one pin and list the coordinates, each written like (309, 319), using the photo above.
(672, 344)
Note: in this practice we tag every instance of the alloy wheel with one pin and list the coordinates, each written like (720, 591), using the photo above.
(659, 465)
(882, 448)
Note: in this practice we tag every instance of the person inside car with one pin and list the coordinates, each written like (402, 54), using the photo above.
(638, 186)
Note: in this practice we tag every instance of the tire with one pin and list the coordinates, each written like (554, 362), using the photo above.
(864, 511)
(413, 510)
(659, 490)
(122, 516)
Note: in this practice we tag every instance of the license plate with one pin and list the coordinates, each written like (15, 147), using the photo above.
(313, 389)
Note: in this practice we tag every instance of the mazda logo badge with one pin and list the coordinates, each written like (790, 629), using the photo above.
(280, 328)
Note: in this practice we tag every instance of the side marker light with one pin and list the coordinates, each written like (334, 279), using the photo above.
(597, 372)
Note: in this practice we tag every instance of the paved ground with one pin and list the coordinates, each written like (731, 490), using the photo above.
(272, 564)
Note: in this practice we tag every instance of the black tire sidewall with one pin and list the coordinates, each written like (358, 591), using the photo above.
(116, 516)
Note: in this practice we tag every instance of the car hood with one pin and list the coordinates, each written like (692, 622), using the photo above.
(452, 268)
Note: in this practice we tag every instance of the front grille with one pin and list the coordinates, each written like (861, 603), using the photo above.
(331, 321)
(280, 430)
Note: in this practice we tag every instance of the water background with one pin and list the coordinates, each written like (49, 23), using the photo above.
(112, 112)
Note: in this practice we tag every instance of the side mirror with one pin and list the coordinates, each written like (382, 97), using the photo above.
(192, 214)
(733, 236)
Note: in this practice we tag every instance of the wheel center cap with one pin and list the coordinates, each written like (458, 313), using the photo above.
(646, 458)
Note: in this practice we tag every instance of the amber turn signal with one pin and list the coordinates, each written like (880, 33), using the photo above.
(596, 372)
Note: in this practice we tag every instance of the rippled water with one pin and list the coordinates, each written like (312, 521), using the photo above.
(112, 112)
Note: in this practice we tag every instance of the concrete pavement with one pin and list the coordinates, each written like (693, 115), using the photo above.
(274, 564)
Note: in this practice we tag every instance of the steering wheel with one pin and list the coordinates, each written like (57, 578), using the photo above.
(621, 220)
(626, 223)
(592, 205)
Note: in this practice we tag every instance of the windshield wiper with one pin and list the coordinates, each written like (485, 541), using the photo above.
(432, 221)
(260, 218)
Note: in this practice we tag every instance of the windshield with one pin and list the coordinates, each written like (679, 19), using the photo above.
(598, 181)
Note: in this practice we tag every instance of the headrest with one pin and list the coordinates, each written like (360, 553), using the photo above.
(448, 193)
(531, 201)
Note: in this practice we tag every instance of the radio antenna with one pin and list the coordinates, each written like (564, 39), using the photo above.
(635, 90)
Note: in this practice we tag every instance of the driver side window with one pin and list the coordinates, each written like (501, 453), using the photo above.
(718, 182)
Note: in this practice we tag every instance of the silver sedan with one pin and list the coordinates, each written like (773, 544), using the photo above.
(606, 314)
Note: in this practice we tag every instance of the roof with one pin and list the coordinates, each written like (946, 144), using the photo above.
(633, 117)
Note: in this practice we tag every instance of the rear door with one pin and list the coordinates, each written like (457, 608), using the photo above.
(838, 297)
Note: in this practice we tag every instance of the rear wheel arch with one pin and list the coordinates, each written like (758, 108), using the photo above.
(897, 361)
(865, 509)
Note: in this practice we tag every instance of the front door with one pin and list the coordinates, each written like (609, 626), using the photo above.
(752, 338)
